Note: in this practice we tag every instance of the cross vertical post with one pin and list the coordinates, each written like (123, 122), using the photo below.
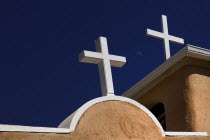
(166, 40)
(104, 61)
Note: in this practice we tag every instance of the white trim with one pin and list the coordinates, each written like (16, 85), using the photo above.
(198, 52)
(18, 128)
(186, 133)
(189, 50)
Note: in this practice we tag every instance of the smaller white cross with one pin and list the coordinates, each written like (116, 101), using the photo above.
(104, 61)
(165, 36)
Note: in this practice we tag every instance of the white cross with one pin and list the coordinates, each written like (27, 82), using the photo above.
(165, 36)
(104, 61)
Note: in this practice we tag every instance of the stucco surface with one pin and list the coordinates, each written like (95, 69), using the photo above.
(110, 120)
(116, 120)
(186, 97)
(198, 97)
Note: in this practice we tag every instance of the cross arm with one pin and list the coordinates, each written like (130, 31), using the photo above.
(117, 61)
(90, 57)
(176, 39)
(154, 34)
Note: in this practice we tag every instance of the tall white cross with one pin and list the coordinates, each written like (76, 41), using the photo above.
(104, 61)
(165, 36)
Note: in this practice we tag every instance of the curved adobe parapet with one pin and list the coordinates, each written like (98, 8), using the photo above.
(113, 115)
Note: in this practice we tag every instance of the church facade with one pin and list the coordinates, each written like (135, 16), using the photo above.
(171, 103)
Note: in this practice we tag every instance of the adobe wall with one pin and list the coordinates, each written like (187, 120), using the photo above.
(112, 120)
(186, 97)
(198, 97)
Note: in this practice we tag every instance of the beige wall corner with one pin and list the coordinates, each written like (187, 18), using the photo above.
(198, 98)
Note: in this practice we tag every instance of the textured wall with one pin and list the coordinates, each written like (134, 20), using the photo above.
(198, 97)
(116, 120)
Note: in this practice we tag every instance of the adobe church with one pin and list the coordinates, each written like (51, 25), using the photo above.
(170, 103)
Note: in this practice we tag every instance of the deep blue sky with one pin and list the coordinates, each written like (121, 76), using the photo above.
(41, 80)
